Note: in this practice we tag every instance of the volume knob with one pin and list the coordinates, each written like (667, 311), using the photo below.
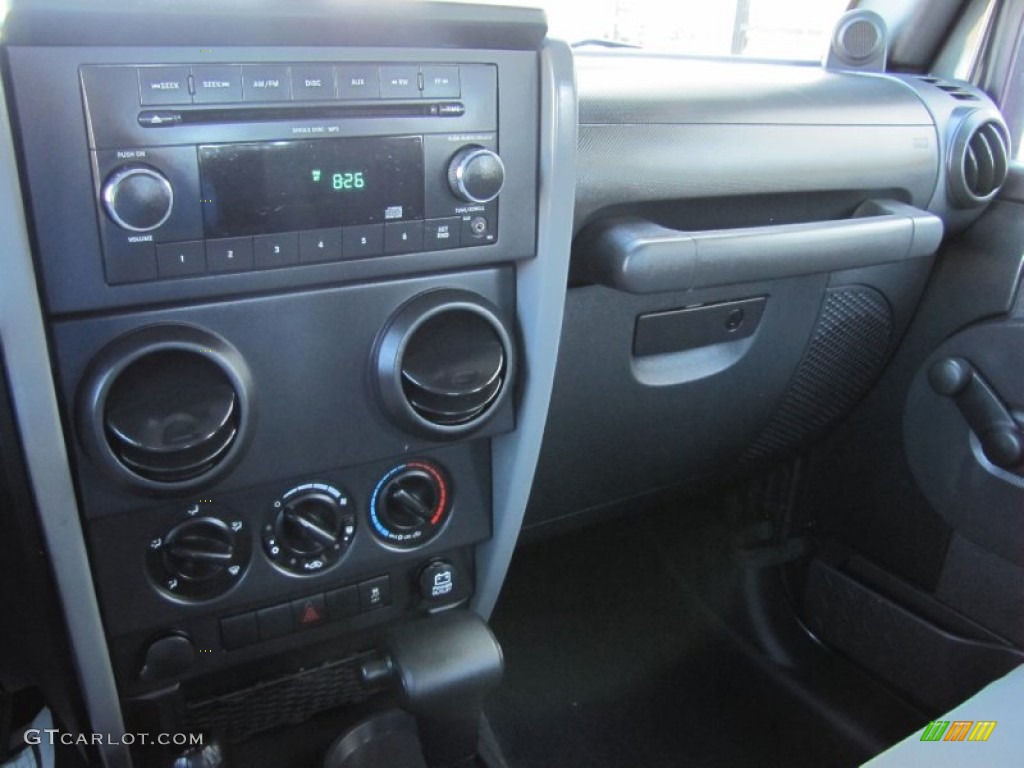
(476, 174)
(138, 198)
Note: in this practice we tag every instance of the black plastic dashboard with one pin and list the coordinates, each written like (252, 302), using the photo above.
(288, 277)
(286, 296)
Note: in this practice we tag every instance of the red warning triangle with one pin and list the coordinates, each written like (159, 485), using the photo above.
(310, 615)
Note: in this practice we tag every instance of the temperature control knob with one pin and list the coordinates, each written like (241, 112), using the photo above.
(410, 504)
(476, 174)
(138, 198)
(310, 528)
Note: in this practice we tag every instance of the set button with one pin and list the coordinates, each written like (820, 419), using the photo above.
(305, 613)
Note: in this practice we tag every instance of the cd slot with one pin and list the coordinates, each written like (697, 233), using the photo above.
(165, 118)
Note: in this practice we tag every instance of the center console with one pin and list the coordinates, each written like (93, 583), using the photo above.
(301, 303)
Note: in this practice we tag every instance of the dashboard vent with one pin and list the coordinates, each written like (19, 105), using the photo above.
(166, 408)
(956, 91)
(979, 160)
(454, 368)
(445, 363)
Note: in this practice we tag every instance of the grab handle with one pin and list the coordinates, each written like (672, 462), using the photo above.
(639, 256)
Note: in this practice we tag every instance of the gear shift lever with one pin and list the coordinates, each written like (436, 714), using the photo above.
(442, 667)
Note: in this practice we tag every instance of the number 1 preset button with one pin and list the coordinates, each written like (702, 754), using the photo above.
(230, 254)
(180, 259)
(279, 250)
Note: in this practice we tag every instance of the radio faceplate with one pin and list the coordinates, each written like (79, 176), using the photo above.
(290, 166)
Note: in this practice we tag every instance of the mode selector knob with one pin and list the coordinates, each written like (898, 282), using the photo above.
(309, 528)
(476, 174)
(138, 198)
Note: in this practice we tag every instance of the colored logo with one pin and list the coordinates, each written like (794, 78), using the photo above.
(958, 730)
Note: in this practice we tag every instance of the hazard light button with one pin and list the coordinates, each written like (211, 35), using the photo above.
(309, 611)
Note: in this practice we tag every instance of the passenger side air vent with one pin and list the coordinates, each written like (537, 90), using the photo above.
(444, 363)
(979, 159)
(165, 408)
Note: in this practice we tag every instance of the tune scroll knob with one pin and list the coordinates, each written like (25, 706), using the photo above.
(138, 198)
(476, 174)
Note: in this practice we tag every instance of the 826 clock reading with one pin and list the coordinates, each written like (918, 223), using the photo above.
(343, 180)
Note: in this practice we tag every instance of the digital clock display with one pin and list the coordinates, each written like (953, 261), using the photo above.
(282, 186)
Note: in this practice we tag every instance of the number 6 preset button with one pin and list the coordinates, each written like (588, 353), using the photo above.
(403, 237)
(281, 250)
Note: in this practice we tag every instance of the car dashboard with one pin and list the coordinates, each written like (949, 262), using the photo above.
(287, 289)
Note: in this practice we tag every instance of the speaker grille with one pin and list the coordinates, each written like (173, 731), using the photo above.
(286, 700)
(860, 39)
(845, 354)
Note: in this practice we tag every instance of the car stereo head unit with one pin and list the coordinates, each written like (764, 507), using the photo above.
(221, 169)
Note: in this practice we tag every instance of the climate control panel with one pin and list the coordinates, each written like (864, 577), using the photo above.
(202, 556)
(309, 528)
(410, 504)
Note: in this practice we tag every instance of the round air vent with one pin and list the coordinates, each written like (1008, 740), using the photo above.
(165, 408)
(444, 363)
(979, 159)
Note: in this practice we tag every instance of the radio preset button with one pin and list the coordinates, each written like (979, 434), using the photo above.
(230, 254)
(319, 245)
(362, 242)
(403, 237)
(181, 259)
(272, 251)
(217, 84)
(357, 82)
(313, 82)
(266, 84)
(441, 82)
(399, 82)
(163, 85)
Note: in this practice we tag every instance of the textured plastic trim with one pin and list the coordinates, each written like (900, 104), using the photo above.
(314, 22)
(540, 299)
(639, 256)
(35, 406)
